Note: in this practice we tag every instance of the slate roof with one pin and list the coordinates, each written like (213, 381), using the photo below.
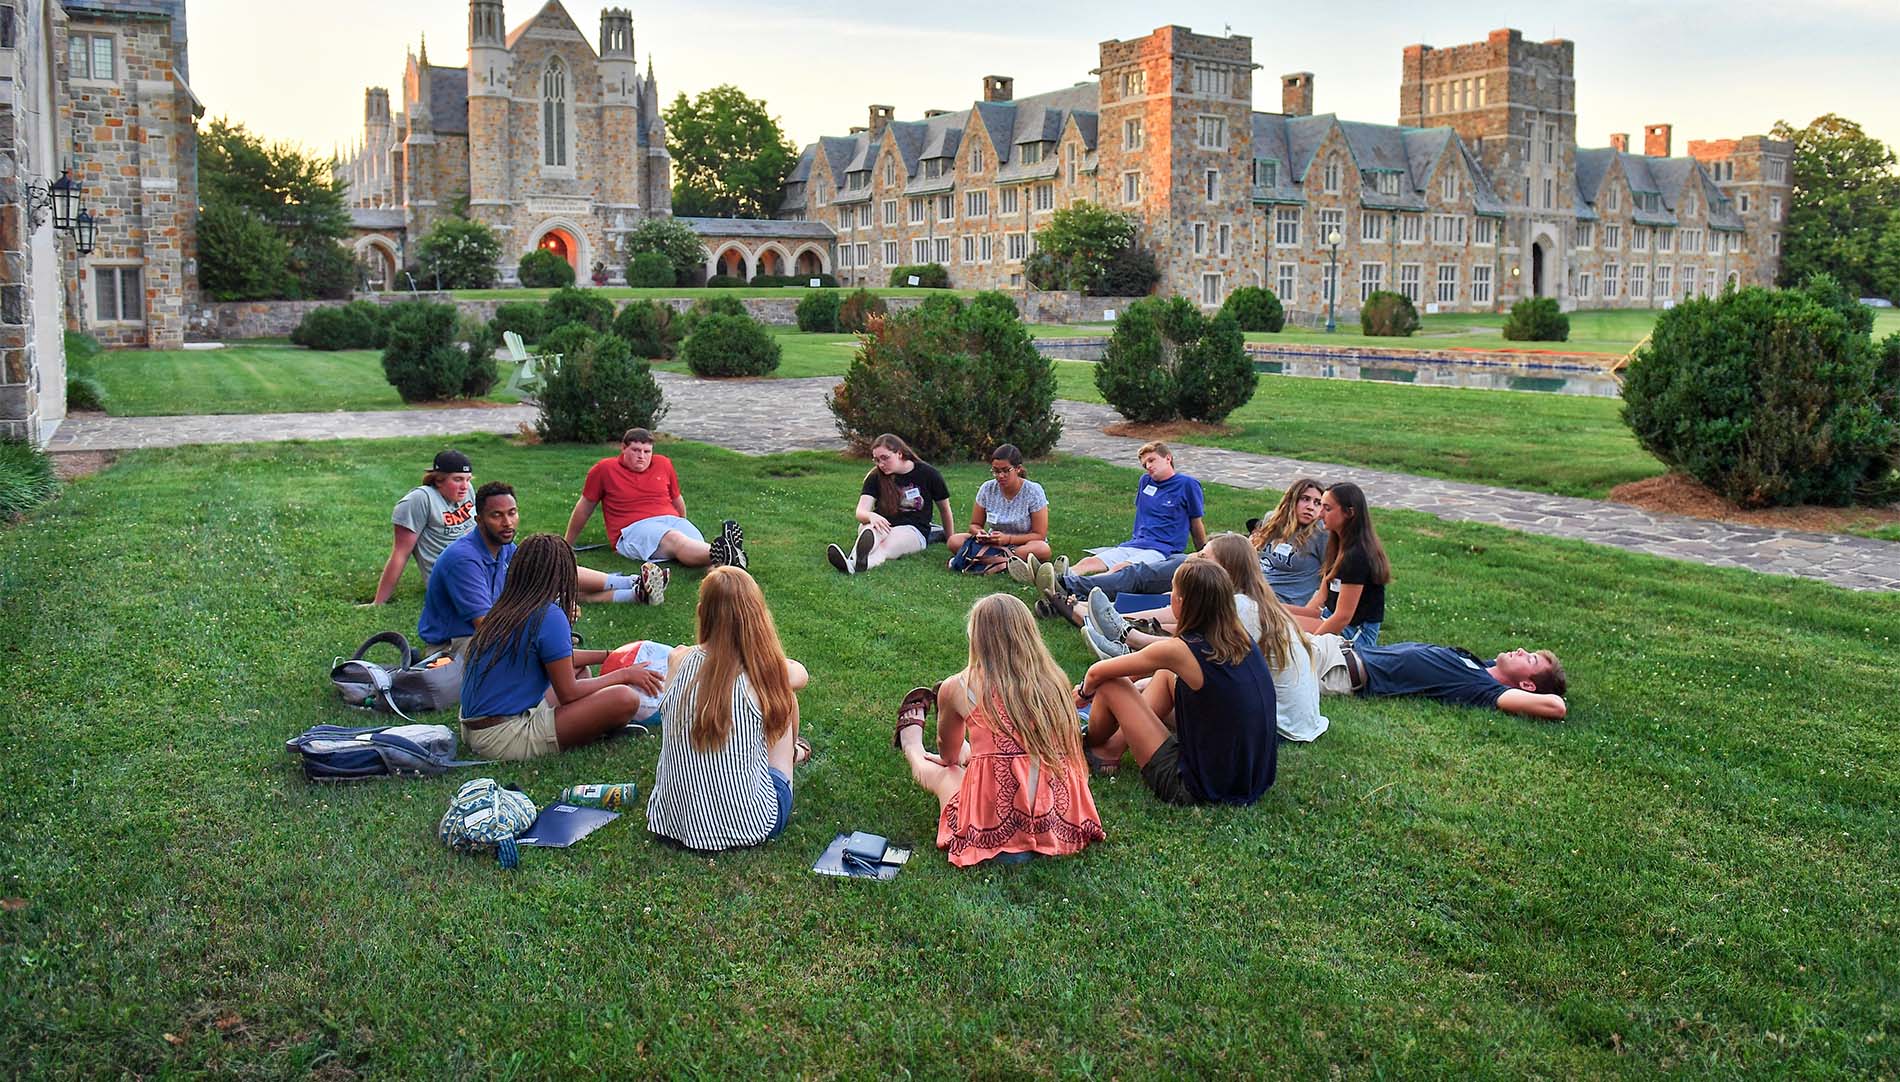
(448, 100)
(758, 227)
(1667, 177)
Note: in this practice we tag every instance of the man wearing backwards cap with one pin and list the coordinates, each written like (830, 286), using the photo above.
(429, 519)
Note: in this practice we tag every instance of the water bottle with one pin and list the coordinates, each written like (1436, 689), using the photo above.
(613, 797)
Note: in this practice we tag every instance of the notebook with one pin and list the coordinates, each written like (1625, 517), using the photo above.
(561, 825)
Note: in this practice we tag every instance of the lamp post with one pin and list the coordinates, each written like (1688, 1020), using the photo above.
(1332, 290)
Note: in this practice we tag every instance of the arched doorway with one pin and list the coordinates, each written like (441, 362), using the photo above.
(771, 262)
(810, 263)
(376, 264)
(731, 263)
(562, 244)
(1539, 256)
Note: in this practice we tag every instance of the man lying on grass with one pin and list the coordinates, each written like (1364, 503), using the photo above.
(1524, 682)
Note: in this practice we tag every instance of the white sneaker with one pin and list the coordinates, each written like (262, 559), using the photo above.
(653, 580)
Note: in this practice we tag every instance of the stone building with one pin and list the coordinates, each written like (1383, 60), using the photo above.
(32, 351)
(1477, 197)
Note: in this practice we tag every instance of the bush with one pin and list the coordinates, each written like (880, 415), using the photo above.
(480, 341)
(522, 317)
(709, 306)
(1389, 315)
(928, 275)
(1769, 397)
(854, 315)
(673, 239)
(240, 257)
(650, 270)
(597, 391)
(571, 305)
(344, 326)
(84, 393)
(26, 478)
(457, 253)
(649, 328)
(567, 338)
(730, 346)
(1537, 319)
(542, 269)
(1255, 309)
(1001, 302)
(1130, 272)
(725, 281)
(955, 380)
(818, 311)
(825, 281)
(423, 360)
(1167, 361)
(81, 349)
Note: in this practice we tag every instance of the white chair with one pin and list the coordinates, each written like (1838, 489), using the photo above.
(529, 367)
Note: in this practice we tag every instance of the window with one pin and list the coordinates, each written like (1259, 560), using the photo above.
(1744, 202)
(1586, 234)
(1609, 281)
(1131, 187)
(1015, 246)
(1223, 236)
(864, 253)
(890, 212)
(1371, 280)
(1734, 242)
(1029, 153)
(1266, 172)
(1448, 229)
(890, 171)
(942, 249)
(1411, 228)
(1614, 200)
(1447, 283)
(920, 250)
(1448, 186)
(844, 255)
(1211, 185)
(1662, 280)
(1774, 208)
(1409, 276)
(946, 207)
(977, 159)
(1550, 193)
(1774, 244)
(1481, 90)
(1688, 282)
(976, 204)
(918, 210)
(1070, 153)
(1328, 278)
(933, 168)
(1010, 198)
(1212, 81)
(1212, 131)
(88, 56)
(1134, 133)
(1583, 286)
(969, 248)
(1385, 183)
(1200, 238)
(1330, 221)
(1689, 203)
(1692, 241)
(1665, 240)
(844, 219)
(1286, 226)
(1484, 231)
(1481, 283)
(864, 216)
(117, 296)
(1371, 225)
(1134, 83)
(1776, 170)
(1639, 281)
(1708, 282)
(1331, 175)
(1284, 281)
(1045, 197)
(858, 180)
(554, 114)
(984, 249)
(1211, 290)
(1639, 239)
(890, 254)
(1612, 236)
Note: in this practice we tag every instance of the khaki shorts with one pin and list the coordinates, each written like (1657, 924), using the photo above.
(524, 736)
(456, 647)
(1329, 657)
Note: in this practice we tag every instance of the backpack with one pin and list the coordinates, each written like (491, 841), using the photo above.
(418, 685)
(339, 753)
(484, 815)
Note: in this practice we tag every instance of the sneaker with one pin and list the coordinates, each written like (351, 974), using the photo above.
(653, 580)
(861, 549)
(838, 559)
(1019, 570)
(1035, 569)
(1062, 567)
(1105, 619)
(1103, 648)
(718, 553)
(734, 538)
(1045, 576)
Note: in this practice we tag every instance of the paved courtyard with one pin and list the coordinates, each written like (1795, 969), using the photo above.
(759, 417)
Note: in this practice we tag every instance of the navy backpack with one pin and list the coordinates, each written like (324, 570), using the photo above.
(340, 753)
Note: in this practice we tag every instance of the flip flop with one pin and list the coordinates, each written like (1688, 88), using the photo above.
(801, 751)
(1101, 768)
(917, 704)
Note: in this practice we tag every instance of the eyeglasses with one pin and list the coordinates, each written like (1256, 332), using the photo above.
(1002, 471)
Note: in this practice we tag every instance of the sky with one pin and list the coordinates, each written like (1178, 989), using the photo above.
(297, 72)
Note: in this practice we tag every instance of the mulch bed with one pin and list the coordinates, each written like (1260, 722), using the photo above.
(1678, 494)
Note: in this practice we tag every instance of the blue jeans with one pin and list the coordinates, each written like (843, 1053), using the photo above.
(782, 786)
(1134, 579)
(1357, 634)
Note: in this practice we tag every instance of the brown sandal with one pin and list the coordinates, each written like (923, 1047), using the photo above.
(917, 705)
(801, 751)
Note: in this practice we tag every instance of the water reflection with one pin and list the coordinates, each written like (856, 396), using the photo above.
(1489, 377)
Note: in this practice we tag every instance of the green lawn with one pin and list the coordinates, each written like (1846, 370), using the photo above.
(1694, 876)
(255, 377)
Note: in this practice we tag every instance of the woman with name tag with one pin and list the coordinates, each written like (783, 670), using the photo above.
(894, 508)
(1292, 542)
(1350, 601)
(1011, 518)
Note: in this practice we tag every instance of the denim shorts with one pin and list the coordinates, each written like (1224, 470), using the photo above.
(1358, 634)
(782, 786)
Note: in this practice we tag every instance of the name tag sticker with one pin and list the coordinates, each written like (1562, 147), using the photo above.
(1469, 664)
(1283, 549)
(1148, 490)
(1335, 586)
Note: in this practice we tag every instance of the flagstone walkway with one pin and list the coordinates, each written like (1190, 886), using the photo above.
(768, 416)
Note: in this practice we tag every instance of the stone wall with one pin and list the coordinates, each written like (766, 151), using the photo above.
(32, 350)
(1053, 306)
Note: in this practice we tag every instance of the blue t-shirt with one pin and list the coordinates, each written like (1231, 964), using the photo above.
(1445, 673)
(519, 678)
(1163, 510)
(465, 581)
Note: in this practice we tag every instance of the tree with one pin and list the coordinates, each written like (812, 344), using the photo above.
(240, 257)
(1846, 192)
(458, 254)
(1092, 249)
(730, 159)
(288, 190)
(673, 239)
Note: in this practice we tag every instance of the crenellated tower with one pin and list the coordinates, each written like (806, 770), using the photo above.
(622, 163)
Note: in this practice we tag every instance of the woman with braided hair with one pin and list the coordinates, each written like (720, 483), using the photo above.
(524, 694)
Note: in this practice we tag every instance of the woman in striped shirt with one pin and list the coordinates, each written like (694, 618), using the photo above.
(730, 741)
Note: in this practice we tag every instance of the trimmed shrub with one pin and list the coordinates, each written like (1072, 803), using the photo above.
(649, 328)
(825, 281)
(709, 306)
(725, 281)
(955, 380)
(522, 317)
(1388, 315)
(573, 305)
(730, 346)
(1167, 361)
(597, 391)
(84, 393)
(650, 270)
(567, 338)
(480, 341)
(1537, 319)
(423, 361)
(1000, 301)
(345, 326)
(854, 315)
(457, 254)
(818, 311)
(542, 269)
(928, 275)
(1769, 397)
(26, 478)
(1256, 309)
(1129, 272)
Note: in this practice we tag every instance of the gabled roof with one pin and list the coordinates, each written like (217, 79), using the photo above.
(560, 13)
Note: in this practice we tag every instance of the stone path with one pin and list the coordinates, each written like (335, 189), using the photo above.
(768, 416)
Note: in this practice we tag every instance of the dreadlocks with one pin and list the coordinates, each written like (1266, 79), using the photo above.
(542, 571)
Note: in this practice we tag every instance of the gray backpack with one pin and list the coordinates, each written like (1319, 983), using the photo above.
(413, 686)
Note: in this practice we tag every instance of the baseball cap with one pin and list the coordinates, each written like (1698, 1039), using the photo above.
(452, 462)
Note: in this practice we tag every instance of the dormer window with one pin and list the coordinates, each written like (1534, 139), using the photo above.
(1266, 172)
(1384, 182)
(858, 180)
(554, 114)
(1029, 153)
(933, 167)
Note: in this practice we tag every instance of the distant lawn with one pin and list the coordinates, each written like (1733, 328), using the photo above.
(620, 292)
(250, 378)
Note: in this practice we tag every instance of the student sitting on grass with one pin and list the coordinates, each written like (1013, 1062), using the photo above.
(724, 778)
(1292, 542)
(638, 493)
(1350, 601)
(1168, 507)
(523, 692)
(1020, 785)
(894, 507)
(1111, 633)
(430, 518)
(1011, 518)
(1202, 730)
(1528, 683)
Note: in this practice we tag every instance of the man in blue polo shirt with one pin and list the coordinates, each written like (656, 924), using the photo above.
(1168, 508)
(468, 576)
(1524, 682)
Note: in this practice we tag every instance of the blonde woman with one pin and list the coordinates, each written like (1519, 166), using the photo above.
(730, 742)
(1020, 785)
(1292, 542)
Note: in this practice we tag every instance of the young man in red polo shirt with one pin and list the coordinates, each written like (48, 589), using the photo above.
(639, 496)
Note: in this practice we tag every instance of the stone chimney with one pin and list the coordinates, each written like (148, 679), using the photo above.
(1296, 94)
(880, 116)
(999, 88)
(1620, 142)
(1656, 139)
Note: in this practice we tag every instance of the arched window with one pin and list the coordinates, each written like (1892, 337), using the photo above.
(554, 114)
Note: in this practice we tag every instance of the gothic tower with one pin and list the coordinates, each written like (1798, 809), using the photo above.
(620, 123)
(490, 153)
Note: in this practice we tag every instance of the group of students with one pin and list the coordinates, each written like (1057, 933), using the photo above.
(1208, 658)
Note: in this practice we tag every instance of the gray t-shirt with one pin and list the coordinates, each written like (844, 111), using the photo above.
(1004, 515)
(1293, 572)
(435, 521)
